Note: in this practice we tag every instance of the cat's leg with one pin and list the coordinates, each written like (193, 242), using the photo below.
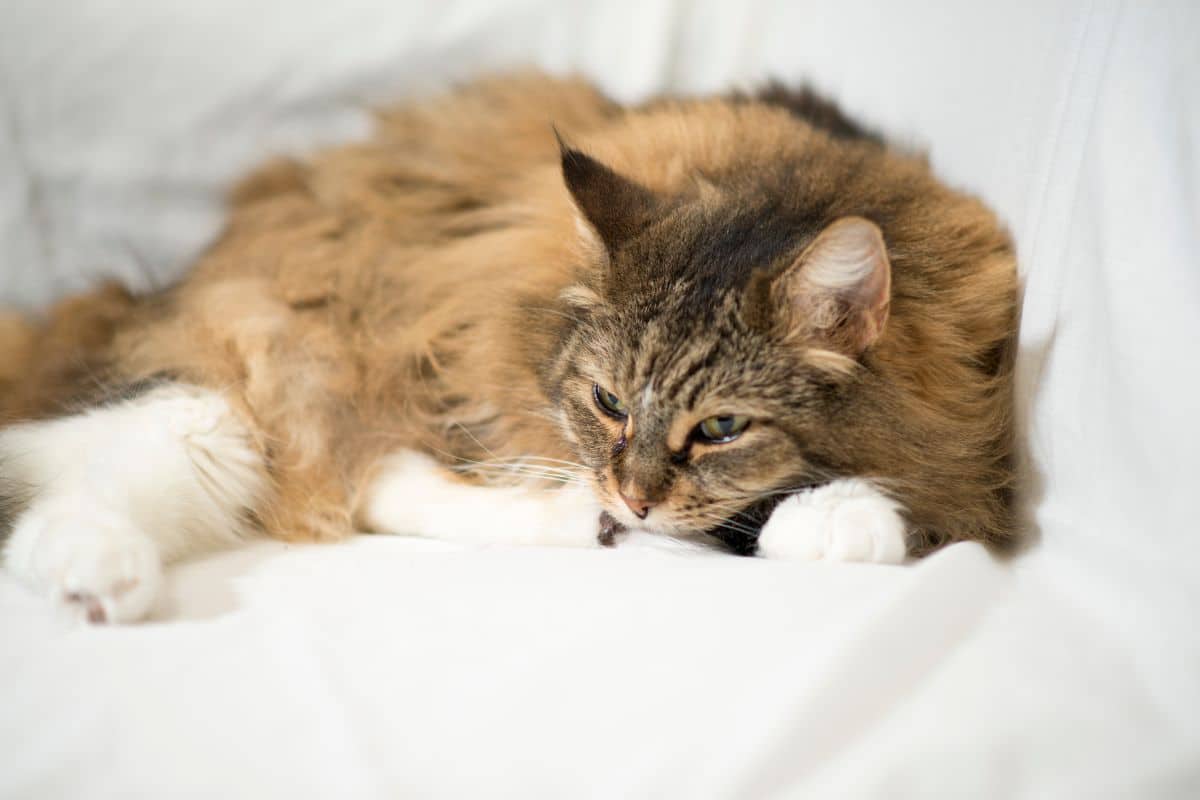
(412, 494)
(102, 499)
(845, 520)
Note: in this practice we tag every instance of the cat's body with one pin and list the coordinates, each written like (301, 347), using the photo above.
(467, 288)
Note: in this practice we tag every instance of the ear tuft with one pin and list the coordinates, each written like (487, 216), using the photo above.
(617, 207)
(840, 286)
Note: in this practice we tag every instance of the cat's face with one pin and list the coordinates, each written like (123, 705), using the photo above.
(701, 378)
(686, 421)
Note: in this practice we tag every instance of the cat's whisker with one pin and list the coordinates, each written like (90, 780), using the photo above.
(524, 480)
(475, 439)
(709, 520)
(528, 474)
(516, 464)
(736, 527)
(558, 313)
(741, 504)
(493, 467)
(469, 468)
(717, 519)
(543, 459)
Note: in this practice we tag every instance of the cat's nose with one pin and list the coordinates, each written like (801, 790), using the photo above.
(638, 505)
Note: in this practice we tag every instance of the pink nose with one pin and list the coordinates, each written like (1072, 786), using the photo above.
(638, 505)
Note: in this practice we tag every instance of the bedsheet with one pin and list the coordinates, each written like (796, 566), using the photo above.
(389, 666)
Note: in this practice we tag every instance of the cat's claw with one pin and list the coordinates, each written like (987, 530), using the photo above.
(845, 520)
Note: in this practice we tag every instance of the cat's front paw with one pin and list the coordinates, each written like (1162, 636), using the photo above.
(97, 563)
(845, 520)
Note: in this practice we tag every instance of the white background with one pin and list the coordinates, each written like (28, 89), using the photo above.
(393, 666)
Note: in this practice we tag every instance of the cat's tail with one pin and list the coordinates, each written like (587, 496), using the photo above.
(47, 361)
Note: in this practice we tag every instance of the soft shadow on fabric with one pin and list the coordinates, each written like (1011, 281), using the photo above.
(207, 588)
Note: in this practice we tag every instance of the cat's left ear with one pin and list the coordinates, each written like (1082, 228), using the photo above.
(615, 206)
(840, 287)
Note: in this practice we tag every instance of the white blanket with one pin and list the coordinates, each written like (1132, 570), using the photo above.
(397, 667)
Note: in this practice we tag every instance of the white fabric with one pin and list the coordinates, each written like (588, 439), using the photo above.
(393, 667)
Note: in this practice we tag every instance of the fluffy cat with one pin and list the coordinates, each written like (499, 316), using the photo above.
(744, 316)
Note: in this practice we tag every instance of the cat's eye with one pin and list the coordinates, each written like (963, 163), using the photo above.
(609, 403)
(718, 430)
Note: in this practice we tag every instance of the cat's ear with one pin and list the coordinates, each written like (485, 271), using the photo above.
(615, 206)
(840, 287)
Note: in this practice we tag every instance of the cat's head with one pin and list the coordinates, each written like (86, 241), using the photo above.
(706, 371)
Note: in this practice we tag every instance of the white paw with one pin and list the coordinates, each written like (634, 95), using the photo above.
(407, 490)
(574, 518)
(96, 562)
(846, 520)
(413, 494)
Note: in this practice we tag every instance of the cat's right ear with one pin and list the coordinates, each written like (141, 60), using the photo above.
(615, 206)
(839, 289)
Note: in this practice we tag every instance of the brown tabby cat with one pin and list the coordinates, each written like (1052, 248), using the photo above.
(703, 316)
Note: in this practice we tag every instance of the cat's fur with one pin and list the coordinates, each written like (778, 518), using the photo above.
(457, 285)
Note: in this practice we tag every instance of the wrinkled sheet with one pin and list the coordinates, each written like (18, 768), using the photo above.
(398, 667)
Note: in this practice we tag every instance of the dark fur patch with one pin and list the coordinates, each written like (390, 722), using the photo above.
(811, 107)
(739, 542)
(110, 394)
(740, 533)
(726, 255)
(14, 499)
(617, 207)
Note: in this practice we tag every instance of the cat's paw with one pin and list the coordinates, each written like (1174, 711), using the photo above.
(573, 519)
(409, 493)
(845, 520)
(95, 562)
(413, 494)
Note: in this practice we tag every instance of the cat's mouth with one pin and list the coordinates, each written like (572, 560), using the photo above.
(738, 532)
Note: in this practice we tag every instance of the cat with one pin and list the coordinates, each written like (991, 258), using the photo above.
(525, 313)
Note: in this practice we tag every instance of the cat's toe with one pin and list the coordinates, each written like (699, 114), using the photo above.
(845, 520)
(98, 564)
(867, 529)
(112, 579)
(795, 531)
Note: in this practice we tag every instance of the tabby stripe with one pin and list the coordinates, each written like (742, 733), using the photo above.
(684, 374)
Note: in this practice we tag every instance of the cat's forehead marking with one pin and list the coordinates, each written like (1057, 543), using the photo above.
(648, 395)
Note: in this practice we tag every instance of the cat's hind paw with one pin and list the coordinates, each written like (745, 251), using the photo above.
(96, 563)
(845, 520)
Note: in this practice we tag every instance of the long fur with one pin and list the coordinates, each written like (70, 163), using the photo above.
(418, 290)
